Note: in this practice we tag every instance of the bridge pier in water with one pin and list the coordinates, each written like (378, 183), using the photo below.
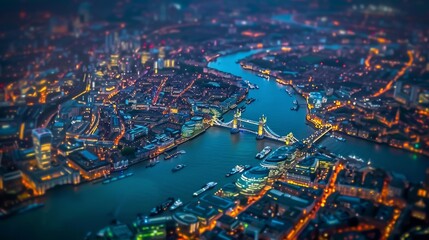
(262, 132)
(261, 125)
(236, 122)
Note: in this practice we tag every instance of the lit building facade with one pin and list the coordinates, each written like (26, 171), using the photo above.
(279, 160)
(304, 172)
(253, 181)
(198, 122)
(42, 140)
(42, 180)
(11, 182)
(136, 132)
(188, 129)
(366, 183)
(187, 224)
(88, 165)
(145, 57)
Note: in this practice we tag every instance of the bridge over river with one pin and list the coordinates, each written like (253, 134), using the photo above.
(264, 131)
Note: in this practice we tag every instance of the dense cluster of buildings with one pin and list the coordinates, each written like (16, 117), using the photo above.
(114, 98)
(82, 97)
(315, 196)
(340, 90)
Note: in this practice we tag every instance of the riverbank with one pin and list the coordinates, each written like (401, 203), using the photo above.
(207, 159)
(387, 142)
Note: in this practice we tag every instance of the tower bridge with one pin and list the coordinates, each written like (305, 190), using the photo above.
(264, 131)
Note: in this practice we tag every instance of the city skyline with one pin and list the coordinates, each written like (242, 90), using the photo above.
(301, 119)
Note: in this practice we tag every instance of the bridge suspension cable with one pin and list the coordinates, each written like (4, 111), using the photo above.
(268, 132)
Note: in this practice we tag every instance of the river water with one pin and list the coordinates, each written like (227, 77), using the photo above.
(71, 211)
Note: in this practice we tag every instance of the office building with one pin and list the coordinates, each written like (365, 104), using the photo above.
(253, 181)
(42, 140)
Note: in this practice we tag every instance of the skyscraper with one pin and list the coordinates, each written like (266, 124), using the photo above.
(42, 140)
(161, 53)
(145, 57)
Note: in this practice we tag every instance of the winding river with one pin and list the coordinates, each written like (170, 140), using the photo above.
(71, 211)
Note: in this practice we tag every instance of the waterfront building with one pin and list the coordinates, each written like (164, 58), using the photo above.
(198, 122)
(11, 182)
(42, 180)
(154, 227)
(188, 129)
(282, 158)
(116, 231)
(187, 224)
(214, 110)
(252, 181)
(147, 151)
(118, 162)
(42, 140)
(164, 142)
(88, 164)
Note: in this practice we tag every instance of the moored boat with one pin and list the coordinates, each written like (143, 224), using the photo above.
(262, 154)
(178, 167)
(356, 158)
(162, 207)
(176, 204)
(206, 187)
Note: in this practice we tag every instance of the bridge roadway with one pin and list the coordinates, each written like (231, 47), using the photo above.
(317, 135)
(270, 134)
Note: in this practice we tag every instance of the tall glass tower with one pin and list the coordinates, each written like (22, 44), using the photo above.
(42, 140)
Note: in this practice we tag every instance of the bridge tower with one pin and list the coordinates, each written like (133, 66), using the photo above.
(236, 122)
(289, 139)
(261, 125)
(213, 120)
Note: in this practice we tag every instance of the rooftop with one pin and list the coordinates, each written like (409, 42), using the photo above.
(41, 132)
(87, 160)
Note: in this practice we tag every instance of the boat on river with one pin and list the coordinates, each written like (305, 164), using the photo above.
(262, 154)
(162, 207)
(356, 158)
(206, 187)
(169, 156)
(178, 167)
(120, 177)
